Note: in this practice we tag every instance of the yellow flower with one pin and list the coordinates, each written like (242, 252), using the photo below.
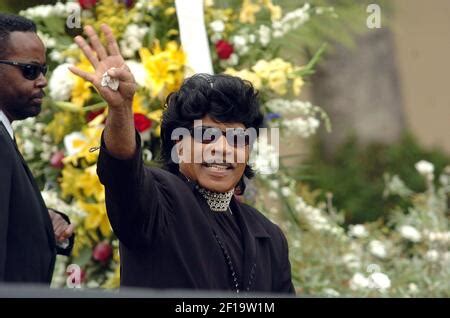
(276, 74)
(297, 85)
(248, 12)
(81, 91)
(113, 281)
(246, 75)
(172, 32)
(90, 184)
(165, 68)
(61, 125)
(156, 117)
(96, 218)
(82, 240)
(89, 138)
(262, 69)
(82, 183)
(68, 182)
(138, 104)
(112, 12)
(275, 11)
(169, 11)
(278, 82)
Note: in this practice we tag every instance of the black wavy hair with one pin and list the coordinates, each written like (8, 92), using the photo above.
(12, 23)
(224, 98)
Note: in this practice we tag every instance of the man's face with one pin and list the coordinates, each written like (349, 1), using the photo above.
(217, 166)
(20, 97)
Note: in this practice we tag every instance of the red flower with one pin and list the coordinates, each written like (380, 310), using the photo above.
(87, 4)
(141, 122)
(224, 49)
(91, 115)
(102, 252)
(128, 3)
(56, 160)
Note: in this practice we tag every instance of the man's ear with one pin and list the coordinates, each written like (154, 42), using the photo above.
(179, 146)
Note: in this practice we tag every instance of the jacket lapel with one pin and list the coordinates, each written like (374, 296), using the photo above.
(45, 216)
(252, 232)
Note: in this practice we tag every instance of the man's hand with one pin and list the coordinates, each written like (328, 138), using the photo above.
(61, 228)
(103, 61)
(119, 133)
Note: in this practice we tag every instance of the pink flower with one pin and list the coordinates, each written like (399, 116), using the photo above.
(56, 160)
(102, 252)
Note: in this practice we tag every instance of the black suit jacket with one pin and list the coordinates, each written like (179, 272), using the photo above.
(166, 240)
(27, 242)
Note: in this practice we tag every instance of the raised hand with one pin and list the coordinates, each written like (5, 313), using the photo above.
(103, 61)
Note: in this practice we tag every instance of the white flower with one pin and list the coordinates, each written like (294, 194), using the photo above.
(74, 142)
(215, 37)
(351, 261)
(413, 288)
(410, 233)
(358, 230)
(424, 167)
(138, 71)
(359, 281)
(285, 191)
(273, 195)
(217, 26)
(233, 60)
(132, 39)
(377, 249)
(56, 56)
(239, 41)
(432, 255)
(379, 281)
(331, 292)
(61, 83)
(147, 154)
(28, 148)
(264, 158)
(264, 35)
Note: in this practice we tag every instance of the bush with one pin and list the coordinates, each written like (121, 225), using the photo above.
(355, 175)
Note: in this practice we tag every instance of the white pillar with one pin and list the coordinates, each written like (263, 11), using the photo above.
(193, 36)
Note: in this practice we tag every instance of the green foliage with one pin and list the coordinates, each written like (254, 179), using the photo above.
(355, 175)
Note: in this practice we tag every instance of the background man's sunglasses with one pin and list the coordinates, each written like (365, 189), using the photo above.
(29, 71)
(236, 137)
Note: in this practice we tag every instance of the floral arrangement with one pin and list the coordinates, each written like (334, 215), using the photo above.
(61, 144)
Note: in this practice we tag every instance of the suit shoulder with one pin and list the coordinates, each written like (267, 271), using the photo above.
(164, 177)
(268, 225)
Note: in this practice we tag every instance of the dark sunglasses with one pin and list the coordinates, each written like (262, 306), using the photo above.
(236, 137)
(29, 71)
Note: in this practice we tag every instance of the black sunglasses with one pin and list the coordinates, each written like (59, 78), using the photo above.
(236, 137)
(29, 71)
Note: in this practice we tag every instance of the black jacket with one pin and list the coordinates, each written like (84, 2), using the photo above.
(166, 240)
(27, 242)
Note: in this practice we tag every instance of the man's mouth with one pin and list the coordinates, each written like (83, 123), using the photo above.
(37, 98)
(218, 166)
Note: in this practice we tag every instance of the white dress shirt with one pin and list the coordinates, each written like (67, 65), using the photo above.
(6, 123)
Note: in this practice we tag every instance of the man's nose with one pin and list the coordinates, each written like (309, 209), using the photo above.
(221, 146)
(41, 81)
